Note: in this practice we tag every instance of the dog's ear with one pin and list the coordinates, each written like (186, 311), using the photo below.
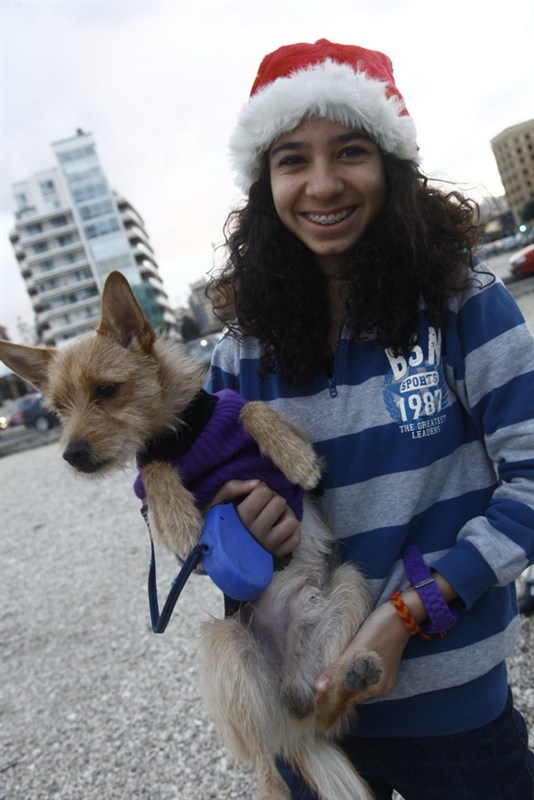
(121, 316)
(31, 363)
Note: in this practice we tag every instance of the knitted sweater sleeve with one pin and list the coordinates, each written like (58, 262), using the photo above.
(490, 362)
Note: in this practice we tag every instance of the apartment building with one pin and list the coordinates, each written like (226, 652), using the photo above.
(513, 149)
(71, 231)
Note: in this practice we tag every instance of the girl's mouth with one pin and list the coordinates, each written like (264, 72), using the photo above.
(329, 219)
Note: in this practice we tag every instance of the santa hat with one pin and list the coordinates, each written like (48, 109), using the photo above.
(344, 83)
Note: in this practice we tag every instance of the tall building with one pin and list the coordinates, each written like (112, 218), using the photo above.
(71, 231)
(513, 149)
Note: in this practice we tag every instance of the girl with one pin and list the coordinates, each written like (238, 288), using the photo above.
(356, 307)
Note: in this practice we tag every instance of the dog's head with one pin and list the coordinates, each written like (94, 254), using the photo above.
(109, 389)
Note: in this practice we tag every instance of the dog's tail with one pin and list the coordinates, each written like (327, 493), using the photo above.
(329, 772)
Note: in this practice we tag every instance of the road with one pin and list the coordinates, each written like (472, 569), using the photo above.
(21, 438)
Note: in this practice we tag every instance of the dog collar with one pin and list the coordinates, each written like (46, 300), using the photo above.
(440, 615)
(173, 442)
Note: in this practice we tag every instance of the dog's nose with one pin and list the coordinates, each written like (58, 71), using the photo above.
(78, 454)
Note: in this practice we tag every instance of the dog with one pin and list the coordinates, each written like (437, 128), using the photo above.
(122, 387)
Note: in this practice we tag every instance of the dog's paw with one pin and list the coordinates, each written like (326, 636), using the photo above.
(282, 443)
(177, 526)
(364, 672)
(303, 468)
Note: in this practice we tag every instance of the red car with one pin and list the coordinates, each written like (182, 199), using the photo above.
(522, 262)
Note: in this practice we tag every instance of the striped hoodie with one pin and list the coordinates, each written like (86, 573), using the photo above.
(437, 450)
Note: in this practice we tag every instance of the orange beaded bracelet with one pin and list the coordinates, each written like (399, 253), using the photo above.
(406, 617)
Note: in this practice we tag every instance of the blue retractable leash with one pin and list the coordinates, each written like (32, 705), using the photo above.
(234, 560)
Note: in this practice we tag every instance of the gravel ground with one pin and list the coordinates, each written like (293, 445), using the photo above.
(94, 705)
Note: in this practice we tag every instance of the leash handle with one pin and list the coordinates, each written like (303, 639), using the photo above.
(159, 620)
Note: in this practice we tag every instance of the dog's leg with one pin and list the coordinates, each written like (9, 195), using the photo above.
(240, 693)
(176, 520)
(323, 617)
(281, 442)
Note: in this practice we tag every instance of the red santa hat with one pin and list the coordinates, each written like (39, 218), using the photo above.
(345, 83)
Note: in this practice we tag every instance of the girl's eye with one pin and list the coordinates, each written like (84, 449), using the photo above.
(291, 161)
(353, 152)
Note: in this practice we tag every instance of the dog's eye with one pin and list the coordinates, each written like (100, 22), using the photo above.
(106, 391)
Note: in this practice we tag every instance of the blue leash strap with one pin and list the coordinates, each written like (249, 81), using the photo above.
(159, 620)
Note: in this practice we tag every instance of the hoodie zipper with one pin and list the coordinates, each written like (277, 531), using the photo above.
(332, 388)
(331, 372)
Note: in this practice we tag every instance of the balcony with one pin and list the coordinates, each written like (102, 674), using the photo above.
(27, 240)
(54, 252)
(129, 218)
(69, 308)
(147, 267)
(53, 335)
(32, 214)
(71, 287)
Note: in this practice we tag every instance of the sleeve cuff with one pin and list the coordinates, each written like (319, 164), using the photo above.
(465, 569)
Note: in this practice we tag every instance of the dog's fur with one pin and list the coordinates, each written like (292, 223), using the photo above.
(114, 391)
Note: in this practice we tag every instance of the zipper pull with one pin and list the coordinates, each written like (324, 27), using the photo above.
(332, 388)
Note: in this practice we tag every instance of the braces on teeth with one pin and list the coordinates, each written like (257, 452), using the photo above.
(328, 219)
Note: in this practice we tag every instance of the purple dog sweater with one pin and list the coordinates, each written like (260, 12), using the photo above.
(223, 451)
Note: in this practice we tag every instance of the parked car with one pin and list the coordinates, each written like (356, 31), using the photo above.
(522, 262)
(29, 411)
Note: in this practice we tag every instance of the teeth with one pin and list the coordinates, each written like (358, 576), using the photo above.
(329, 219)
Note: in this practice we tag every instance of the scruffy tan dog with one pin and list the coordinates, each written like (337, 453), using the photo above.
(118, 389)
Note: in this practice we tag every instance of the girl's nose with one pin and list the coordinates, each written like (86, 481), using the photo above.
(323, 181)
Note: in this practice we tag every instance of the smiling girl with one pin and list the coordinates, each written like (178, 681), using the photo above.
(357, 308)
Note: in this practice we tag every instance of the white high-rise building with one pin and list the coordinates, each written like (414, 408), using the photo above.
(71, 231)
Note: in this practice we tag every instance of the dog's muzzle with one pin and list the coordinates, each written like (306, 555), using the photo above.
(79, 456)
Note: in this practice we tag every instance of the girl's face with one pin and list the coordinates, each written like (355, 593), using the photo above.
(328, 185)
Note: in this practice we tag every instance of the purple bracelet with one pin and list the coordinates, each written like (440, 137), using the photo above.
(440, 615)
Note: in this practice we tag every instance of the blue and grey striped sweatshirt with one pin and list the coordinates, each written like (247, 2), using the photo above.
(437, 450)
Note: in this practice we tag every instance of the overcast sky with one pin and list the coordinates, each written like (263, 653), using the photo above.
(159, 84)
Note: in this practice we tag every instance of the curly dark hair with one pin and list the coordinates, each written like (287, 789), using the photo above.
(271, 287)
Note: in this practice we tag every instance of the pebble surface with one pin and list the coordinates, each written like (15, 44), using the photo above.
(94, 705)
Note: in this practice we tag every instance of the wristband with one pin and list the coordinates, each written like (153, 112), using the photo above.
(441, 617)
(406, 617)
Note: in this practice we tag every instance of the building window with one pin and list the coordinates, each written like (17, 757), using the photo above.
(60, 221)
(64, 239)
(89, 191)
(47, 187)
(22, 200)
(96, 209)
(101, 227)
(33, 228)
(74, 256)
(40, 247)
(76, 153)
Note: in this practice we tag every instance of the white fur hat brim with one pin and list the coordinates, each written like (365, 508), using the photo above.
(329, 89)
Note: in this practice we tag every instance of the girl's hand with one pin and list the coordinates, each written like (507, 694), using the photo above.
(384, 633)
(265, 513)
